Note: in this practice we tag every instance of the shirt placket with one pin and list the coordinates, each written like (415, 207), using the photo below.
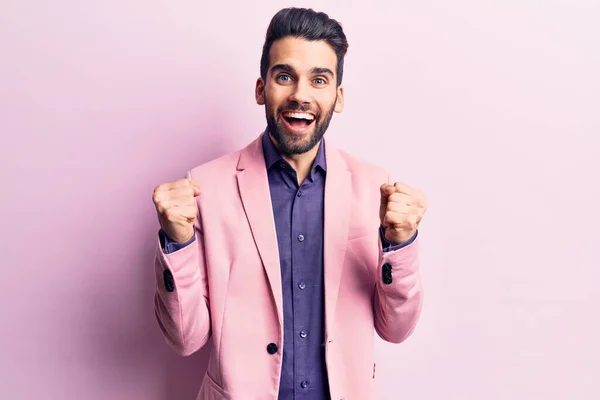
(302, 292)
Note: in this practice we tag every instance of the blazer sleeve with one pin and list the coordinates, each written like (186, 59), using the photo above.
(398, 296)
(181, 299)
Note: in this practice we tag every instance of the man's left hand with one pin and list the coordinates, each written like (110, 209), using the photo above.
(401, 211)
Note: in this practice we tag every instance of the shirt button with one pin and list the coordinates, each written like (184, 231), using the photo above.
(303, 334)
(282, 164)
(303, 384)
(300, 238)
(302, 285)
(299, 193)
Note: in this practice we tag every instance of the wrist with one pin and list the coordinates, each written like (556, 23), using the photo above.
(177, 239)
(396, 240)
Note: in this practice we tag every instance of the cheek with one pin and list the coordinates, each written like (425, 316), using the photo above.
(270, 102)
(275, 94)
(326, 102)
(273, 104)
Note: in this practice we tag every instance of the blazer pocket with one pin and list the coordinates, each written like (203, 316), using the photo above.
(213, 391)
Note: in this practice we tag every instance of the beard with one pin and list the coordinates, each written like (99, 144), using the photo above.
(290, 143)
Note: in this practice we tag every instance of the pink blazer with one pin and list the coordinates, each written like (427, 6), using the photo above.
(227, 285)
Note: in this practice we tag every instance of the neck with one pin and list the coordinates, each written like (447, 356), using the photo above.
(302, 163)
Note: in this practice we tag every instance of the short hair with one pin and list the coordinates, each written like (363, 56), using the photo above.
(307, 24)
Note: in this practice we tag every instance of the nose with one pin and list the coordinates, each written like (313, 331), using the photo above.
(301, 93)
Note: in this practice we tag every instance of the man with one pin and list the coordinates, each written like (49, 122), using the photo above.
(289, 253)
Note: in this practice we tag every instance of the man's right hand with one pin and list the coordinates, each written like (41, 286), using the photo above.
(176, 207)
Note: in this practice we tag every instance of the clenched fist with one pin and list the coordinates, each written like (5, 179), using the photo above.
(401, 211)
(176, 207)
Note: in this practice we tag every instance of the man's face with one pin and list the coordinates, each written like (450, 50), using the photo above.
(299, 93)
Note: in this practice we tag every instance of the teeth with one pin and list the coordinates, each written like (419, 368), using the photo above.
(299, 115)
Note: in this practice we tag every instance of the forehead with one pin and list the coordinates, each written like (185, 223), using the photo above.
(303, 55)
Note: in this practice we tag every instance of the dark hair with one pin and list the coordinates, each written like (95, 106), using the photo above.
(307, 24)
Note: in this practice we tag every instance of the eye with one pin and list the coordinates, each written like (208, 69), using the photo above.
(284, 78)
(320, 81)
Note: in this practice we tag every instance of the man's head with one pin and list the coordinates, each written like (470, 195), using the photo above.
(300, 80)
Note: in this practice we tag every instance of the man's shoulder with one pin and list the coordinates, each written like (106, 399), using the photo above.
(222, 167)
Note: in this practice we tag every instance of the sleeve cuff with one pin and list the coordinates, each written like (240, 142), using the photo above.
(387, 246)
(169, 246)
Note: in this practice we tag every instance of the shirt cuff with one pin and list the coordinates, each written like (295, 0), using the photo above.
(387, 246)
(169, 246)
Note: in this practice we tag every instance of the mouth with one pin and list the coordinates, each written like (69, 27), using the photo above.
(297, 122)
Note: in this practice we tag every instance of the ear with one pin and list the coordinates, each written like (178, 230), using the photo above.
(339, 103)
(259, 92)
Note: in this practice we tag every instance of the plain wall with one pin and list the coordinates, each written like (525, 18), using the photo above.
(491, 108)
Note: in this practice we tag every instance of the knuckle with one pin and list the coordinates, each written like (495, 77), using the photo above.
(156, 193)
(161, 204)
(412, 221)
(170, 214)
(389, 218)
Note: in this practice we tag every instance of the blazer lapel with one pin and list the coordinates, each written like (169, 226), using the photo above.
(253, 184)
(336, 226)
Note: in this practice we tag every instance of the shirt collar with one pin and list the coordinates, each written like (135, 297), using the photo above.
(272, 155)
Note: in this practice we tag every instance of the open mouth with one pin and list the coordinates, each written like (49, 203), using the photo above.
(297, 121)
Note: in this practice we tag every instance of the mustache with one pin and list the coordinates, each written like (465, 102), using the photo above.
(295, 106)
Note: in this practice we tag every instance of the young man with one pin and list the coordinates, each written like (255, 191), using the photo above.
(289, 253)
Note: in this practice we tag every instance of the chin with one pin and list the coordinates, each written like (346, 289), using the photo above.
(294, 143)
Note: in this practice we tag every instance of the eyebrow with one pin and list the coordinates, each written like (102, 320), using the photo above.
(282, 67)
(290, 69)
(322, 71)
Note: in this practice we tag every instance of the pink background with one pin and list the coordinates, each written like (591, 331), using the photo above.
(491, 108)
